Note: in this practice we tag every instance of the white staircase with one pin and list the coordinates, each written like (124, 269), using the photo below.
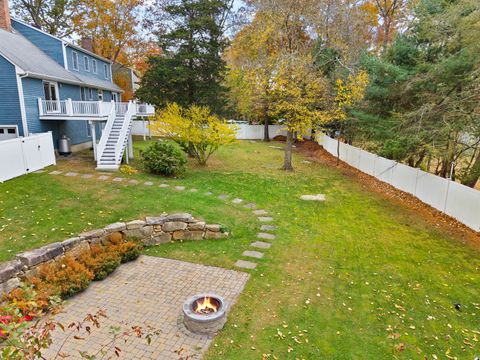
(115, 136)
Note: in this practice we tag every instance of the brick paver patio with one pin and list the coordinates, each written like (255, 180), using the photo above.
(147, 292)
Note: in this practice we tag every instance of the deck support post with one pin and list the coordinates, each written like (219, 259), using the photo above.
(94, 138)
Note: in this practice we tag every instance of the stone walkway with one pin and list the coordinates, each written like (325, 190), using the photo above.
(262, 215)
(147, 292)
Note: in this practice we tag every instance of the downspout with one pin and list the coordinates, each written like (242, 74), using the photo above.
(21, 100)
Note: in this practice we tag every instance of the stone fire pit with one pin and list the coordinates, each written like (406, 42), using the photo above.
(205, 314)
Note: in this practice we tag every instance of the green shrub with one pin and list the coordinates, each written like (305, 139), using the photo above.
(128, 251)
(164, 158)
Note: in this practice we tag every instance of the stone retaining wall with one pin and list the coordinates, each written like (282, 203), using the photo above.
(150, 231)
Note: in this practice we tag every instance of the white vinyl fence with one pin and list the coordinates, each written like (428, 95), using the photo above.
(454, 199)
(25, 154)
(245, 131)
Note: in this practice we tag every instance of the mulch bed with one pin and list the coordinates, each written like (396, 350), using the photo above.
(316, 153)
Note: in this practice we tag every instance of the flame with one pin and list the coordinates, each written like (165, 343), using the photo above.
(205, 306)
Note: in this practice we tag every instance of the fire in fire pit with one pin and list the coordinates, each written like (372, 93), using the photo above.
(205, 313)
(206, 305)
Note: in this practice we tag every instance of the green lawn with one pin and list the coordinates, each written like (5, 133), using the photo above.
(355, 277)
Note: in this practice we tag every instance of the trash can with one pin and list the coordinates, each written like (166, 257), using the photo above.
(64, 147)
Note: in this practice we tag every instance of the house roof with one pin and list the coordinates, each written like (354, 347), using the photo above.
(35, 63)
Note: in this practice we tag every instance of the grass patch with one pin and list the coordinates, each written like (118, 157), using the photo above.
(352, 277)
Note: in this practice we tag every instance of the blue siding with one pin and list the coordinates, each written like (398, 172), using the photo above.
(81, 64)
(32, 90)
(51, 46)
(9, 105)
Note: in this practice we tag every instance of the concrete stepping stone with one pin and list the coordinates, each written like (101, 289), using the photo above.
(118, 179)
(306, 162)
(193, 190)
(223, 197)
(56, 172)
(39, 171)
(163, 185)
(250, 206)
(268, 227)
(148, 183)
(237, 201)
(208, 193)
(133, 181)
(71, 174)
(103, 177)
(265, 218)
(265, 236)
(245, 264)
(260, 212)
(253, 253)
(261, 245)
(318, 197)
(180, 188)
(87, 176)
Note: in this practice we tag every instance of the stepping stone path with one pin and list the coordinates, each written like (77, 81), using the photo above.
(265, 236)
(262, 215)
(245, 264)
(261, 245)
(268, 227)
(252, 253)
(39, 171)
(318, 197)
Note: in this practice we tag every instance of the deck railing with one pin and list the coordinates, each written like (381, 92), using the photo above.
(90, 109)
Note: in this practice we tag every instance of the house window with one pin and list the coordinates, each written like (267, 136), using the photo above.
(50, 90)
(100, 95)
(86, 63)
(83, 94)
(8, 132)
(94, 66)
(74, 60)
(90, 94)
(105, 70)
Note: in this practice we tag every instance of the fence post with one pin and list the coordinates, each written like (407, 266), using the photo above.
(416, 182)
(448, 188)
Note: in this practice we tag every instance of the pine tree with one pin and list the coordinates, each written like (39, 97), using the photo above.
(190, 69)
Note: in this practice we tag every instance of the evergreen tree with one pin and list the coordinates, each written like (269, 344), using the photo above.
(190, 69)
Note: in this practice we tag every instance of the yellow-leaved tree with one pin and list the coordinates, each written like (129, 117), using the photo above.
(299, 96)
(195, 129)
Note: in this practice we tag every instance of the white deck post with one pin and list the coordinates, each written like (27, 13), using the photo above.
(94, 138)
(40, 106)
(130, 145)
(69, 107)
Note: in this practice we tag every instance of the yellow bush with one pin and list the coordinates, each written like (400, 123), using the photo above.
(195, 129)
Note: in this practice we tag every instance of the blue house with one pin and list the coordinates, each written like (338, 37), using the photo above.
(49, 84)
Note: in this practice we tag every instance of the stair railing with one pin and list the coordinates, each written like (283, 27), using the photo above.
(120, 145)
(106, 132)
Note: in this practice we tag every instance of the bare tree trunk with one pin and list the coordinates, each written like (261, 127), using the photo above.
(474, 174)
(266, 134)
(287, 164)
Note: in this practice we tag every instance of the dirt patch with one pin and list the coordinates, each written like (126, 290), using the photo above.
(280, 138)
(316, 153)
